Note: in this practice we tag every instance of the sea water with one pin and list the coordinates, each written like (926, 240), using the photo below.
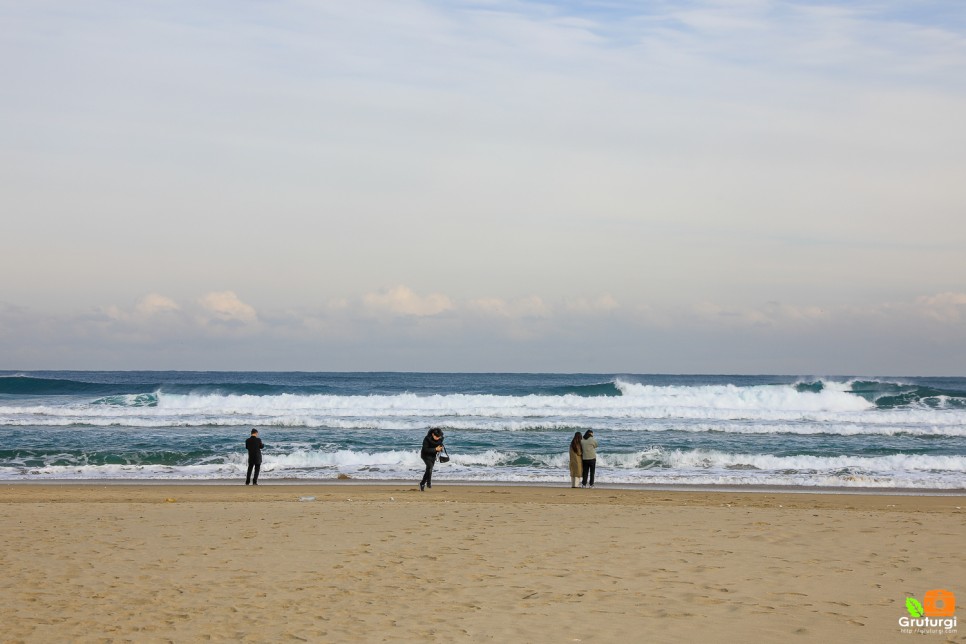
(814, 432)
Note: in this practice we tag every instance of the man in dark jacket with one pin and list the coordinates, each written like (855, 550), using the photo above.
(254, 446)
(432, 446)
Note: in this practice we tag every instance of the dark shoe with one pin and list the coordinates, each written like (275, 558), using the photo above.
(255, 483)
(247, 483)
(429, 485)
(422, 487)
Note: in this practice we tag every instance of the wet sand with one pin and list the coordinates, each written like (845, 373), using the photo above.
(377, 563)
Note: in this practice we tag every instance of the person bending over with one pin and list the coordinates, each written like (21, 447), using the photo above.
(432, 446)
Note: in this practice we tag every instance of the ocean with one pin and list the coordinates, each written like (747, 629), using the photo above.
(811, 432)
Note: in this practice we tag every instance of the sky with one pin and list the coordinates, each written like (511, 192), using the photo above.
(697, 186)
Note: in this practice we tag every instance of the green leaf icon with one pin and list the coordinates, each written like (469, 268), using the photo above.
(914, 607)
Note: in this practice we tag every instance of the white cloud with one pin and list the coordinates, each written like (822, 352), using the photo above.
(770, 314)
(944, 307)
(531, 306)
(592, 306)
(401, 300)
(115, 312)
(224, 307)
(154, 304)
(526, 333)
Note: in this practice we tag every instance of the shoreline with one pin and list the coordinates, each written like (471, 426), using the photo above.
(647, 487)
(407, 493)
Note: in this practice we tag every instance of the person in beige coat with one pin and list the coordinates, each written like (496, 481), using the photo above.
(576, 460)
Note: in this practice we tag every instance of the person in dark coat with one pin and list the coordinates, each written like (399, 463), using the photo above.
(588, 445)
(432, 446)
(254, 446)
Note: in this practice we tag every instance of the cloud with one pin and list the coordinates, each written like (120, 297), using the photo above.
(531, 306)
(944, 307)
(154, 304)
(770, 314)
(225, 308)
(401, 300)
(220, 331)
(602, 304)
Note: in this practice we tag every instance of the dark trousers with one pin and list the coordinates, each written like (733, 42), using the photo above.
(248, 477)
(428, 476)
(589, 468)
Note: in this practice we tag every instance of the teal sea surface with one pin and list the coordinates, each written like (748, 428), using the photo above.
(808, 431)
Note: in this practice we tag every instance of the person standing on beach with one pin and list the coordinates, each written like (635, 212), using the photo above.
(432, 446)
(254, 446)
(576, 464)
(588, 447)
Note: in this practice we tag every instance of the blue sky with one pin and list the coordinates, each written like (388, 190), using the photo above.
(708, 186)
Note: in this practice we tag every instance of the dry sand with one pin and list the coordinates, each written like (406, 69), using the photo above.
(190, 563)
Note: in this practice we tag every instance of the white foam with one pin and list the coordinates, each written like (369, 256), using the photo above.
(681, 459)
(637, 460)
(926, 422)
(833, 397)
(557, 476)
(746, 410)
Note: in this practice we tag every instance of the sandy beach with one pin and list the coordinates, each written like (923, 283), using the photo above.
(468, 563)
